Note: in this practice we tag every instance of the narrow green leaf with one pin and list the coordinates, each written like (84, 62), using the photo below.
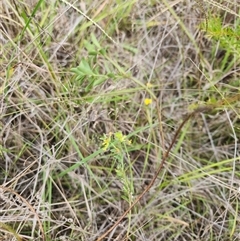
(95, 41)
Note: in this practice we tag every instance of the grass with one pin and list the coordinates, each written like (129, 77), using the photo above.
(92, 96)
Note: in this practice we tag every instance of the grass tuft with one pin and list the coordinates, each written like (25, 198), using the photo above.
(93, 95)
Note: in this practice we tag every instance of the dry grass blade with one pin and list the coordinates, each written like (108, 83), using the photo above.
(92, 97)
(18, 200)
(223, 7)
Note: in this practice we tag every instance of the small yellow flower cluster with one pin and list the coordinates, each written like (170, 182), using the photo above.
(106, 140)
(122, 138)
(149, 85)
(117, 137)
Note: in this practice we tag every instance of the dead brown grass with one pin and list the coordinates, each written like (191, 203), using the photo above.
(48, 123)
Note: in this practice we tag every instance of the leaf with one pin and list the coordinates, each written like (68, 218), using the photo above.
(99, 80)
(75, 70)
(83, 68)
(95, 41)
(111, 75)
(80, 79)
(89, 86)
(90, 48)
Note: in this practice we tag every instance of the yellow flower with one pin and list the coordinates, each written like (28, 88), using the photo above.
(149, 85)
(129, 142)
(106, 140)
(119, 136)
(147, 101)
